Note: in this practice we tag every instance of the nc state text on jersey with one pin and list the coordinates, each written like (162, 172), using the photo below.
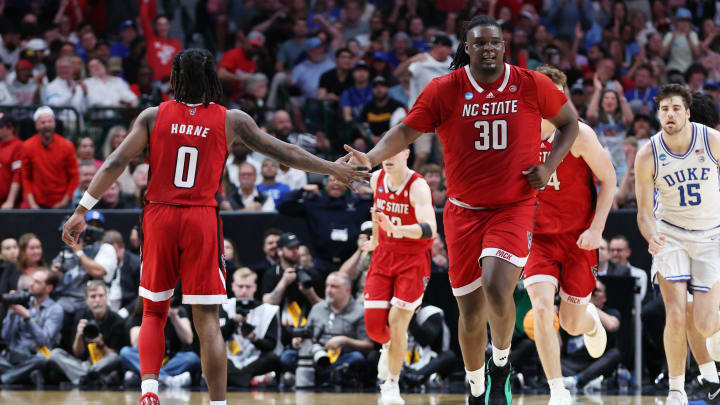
(390, 207)
(493, 108)
(195, 130)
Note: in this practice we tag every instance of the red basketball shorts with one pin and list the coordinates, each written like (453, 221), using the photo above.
(471, 234)
(397, 279)
(182, 242)
(556, 258)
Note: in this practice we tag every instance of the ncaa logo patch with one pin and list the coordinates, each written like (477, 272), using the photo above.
(192, 111)
(512, 88)
(380, 189)
(663, 156)
(468, 95)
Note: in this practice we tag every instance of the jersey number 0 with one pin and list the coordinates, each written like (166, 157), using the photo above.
(185, 167)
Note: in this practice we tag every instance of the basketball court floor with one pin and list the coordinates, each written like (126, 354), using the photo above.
(76, 397)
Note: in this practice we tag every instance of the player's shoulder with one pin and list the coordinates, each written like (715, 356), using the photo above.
(645, 153)
(374, 176)
(419, 183)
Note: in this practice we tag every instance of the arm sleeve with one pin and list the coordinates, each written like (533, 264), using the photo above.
(291, 205)
(426, 333)
(425, 113)
(26, 170)
(71, 165)
(46, 333)
(550, 99)
(268, 342)
(107, 258)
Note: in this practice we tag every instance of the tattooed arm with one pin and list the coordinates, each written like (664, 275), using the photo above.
(240, 126)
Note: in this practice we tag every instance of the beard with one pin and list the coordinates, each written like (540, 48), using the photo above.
(678, 128)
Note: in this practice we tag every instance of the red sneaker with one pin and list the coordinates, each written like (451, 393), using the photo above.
(149, 399)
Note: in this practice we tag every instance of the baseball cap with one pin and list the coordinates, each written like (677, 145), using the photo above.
(380, 80)
(380, 56)
(23, 63)
(366, 227)
(126, 24)
(289, 240)
(683, 14)
(38, 44)
(256, 38)
(312, 43)
(578, 87)
(43, 110)
(527, 15)
(361, 65)
(5, 118)
(441, 39)
(94, 215)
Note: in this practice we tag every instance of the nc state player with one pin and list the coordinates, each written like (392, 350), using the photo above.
(400, 265)
(568, 230)
(188, 141)
(487, 114)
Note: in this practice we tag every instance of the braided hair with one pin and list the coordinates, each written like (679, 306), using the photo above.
(193, 77)
(461, 58)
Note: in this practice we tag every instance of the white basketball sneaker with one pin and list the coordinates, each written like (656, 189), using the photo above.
(676, 398)
(384, 362)
(560, 397)
(596, 343)
(390, 394)
(713, 345)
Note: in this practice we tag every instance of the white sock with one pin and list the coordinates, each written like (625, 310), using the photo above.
(149, 386)
(394, 378)
(477, 381)
(500, 356)
(218, 402)
(556, 384)
(709, 372)
(677, 383)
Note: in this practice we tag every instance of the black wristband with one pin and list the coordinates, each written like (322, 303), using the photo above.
(426, 230)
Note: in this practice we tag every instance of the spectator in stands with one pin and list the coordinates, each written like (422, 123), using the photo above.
(334, 218)
(642, 129)
(126, 35)
(335, 81)
(338, 328)
(30, 259)
(86, 172)
(620, 251)
(102, 52)
(306, 74)
(144, 88)
(401, 91)
(294, 178)
(270, 252)
(114, 138)
(251, 330)
(424, 67)
(681, 45)
(85, 149)
(306, 258)
(160, 48)
(230, 255)
(9, 274)
(578, 367)
(237, 64)
(695, 77)
(89, 259)
(353, 26)
(269, 185)
(290, 50)
(358, 95)
(79, 71)
(31, 330)
(64, 91)
(10, 45)
(248, 197)
(87, 43)
(356, 266)
(123, 291)
(564, 15)
(641, 98)
(377, 113)
(182, 361)
(115, 199)
(9, 251)
(282, 128)
(625, 195)
(603, 257)
(10, 163)
(132, 62)
(239, 154)
(99, 336)
(400, 49)
(140, 178)
(24, 87)
(252, 101)
(610, 115)
(105, 90)
(291, 286)
(435, 178)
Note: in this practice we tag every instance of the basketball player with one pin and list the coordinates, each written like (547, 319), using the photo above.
(682, 230)
(400, 266)
(487, 114)
(568, 231)
(188, 139)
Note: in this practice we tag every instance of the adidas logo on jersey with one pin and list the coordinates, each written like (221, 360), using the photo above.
(490, 95)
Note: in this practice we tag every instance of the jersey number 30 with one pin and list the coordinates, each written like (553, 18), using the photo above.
(185, 167)
(497, 130)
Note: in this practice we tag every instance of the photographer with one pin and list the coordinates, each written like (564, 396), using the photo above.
(289, 285)
(251, 330)
(338, 335)
(99, 336)
(31, 328)
(89, 259)
(182, 361)
(124, 286)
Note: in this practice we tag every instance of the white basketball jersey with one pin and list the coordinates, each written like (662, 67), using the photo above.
(688, 185)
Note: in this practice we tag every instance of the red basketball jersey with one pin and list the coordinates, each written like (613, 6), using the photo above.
(490, 134)
(396, 205)
(568, 201)
(187, 154)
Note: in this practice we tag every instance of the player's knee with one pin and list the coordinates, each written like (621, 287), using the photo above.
(572, 325)
(543, 312)
(706, 325)
(674, 317)
(497, 299)
(471, 321)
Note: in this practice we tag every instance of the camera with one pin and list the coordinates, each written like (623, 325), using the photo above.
(320, 356)
(91, 331)
(244, 306)
(304, 278)
(17, 298)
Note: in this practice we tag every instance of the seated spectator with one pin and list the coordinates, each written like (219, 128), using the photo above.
(123, 291)
(270, 252)
(181, 363)
(294, 178)
(126, 35)
(401, 91)
(282, 128)
(85, 150)
(31, 330)
(579, 98)
(144, 88)
(355, 268)
(24, 88)
(89, 259)
(625, 195)
(65, 91)
(49, 167)
(230, 255)
(115, 199)
(10, 163)
(291, 286)
(358, 95)
(334, 218)
(251, 330)
(30, 259)
(86, 172)
(642, 129)
(9, 252)
(620, 251)
(114, 138)
(335, 81)
(603, 257)
(239, 154)
(99, 336)
(269, 185)
(695, 77)
(428, 346)
(578, 367)
(440, 262)
(306, 259)
(140, 178)
(105, 90)
(642, 97)
(306, 74)
(290, 50)
(237, 64)
(248, 197)
(377, 113)
(338, 335)
(252, 101)
(435, 177)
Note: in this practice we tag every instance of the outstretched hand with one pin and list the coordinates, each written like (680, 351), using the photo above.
(348, 174)
(74, 226)
(357, 157)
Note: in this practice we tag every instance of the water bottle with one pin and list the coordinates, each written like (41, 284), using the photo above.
(623, 376)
